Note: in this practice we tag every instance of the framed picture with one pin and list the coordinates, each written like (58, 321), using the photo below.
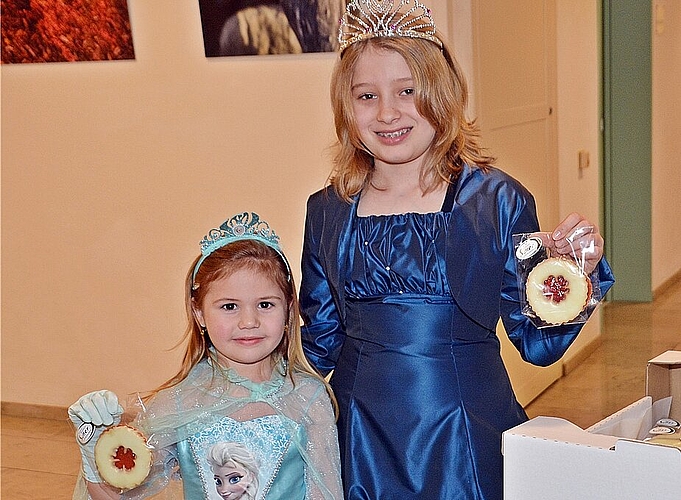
(35, 31)
(261, 27)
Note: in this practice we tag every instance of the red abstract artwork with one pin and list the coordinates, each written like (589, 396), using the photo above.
(65, 30)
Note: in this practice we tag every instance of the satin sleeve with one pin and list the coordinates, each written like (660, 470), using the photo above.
(538, 346)
(323, 333)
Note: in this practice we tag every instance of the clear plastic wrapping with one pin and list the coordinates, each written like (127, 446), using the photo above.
(120, 455)
(554, 289)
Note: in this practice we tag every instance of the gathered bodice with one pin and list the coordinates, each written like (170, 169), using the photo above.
(398, 254)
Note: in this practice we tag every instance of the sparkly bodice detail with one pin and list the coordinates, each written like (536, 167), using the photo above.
(268, 438)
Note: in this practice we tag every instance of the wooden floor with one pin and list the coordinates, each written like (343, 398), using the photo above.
(40, 459)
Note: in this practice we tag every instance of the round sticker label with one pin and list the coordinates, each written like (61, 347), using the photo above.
(668, 422)
(85, 432)
(661, 430)
(528, 248)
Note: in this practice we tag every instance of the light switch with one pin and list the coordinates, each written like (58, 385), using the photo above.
(583, 159)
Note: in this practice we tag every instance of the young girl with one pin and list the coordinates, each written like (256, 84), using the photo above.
(408, 265)
(244, 380)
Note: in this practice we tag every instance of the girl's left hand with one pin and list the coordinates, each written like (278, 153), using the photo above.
(579, 238)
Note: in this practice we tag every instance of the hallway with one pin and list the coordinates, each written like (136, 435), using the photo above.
(40, 459)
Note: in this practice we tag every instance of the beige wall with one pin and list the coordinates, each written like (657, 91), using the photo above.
(578, 126)
(666, 150)
(112, 172)
(578, 115)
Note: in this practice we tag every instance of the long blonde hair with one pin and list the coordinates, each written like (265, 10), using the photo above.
(441, 98)
(242, 254)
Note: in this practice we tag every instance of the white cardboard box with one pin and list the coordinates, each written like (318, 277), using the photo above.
(550, 458)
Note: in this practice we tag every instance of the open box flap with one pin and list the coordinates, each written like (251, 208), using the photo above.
(558, 429)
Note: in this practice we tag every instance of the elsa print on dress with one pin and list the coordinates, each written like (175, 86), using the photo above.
(235, 470)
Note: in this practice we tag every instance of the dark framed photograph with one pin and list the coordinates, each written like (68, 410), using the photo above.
(262, 27)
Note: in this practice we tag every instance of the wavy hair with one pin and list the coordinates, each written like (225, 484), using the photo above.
(441, 97)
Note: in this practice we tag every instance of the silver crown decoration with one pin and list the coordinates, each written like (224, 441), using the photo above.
(376, 18)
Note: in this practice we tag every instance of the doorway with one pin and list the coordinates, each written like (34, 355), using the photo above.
(627, 146)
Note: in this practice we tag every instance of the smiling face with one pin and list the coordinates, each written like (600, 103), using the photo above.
(231, 480)
(244, 313)
(384, 108)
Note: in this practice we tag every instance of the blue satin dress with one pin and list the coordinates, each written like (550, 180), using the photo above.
(403, 309)
(434, 396)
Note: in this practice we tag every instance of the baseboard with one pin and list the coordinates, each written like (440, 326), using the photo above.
(26, 410)
(667, 284)
(581, 355)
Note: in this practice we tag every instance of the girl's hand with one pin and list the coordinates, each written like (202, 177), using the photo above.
(91, 415)
(579, 238)
(98, 408)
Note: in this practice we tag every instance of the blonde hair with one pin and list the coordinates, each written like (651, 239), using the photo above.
(441, 97)
(238, 255)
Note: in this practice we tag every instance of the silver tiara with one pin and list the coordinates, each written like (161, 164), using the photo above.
(376, 18)
(243, 226)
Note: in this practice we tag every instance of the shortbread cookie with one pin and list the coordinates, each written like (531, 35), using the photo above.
(557, 290)
(122, 456)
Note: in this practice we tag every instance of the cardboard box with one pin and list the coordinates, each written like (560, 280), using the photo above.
(550, 458)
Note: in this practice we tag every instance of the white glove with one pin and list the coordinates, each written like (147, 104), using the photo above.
(91, 415)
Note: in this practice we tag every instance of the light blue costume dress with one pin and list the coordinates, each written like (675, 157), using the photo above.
(404, 308)
(288, 431)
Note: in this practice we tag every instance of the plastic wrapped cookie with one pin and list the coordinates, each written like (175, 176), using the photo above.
(557, 290)
(553, 288)
(666, 432)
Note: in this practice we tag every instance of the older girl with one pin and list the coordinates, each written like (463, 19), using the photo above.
(408, 266)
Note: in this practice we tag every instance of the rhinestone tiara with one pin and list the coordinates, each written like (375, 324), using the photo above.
(377, 18)
(243, 226)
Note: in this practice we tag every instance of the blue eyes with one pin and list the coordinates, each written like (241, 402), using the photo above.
(235, 479)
